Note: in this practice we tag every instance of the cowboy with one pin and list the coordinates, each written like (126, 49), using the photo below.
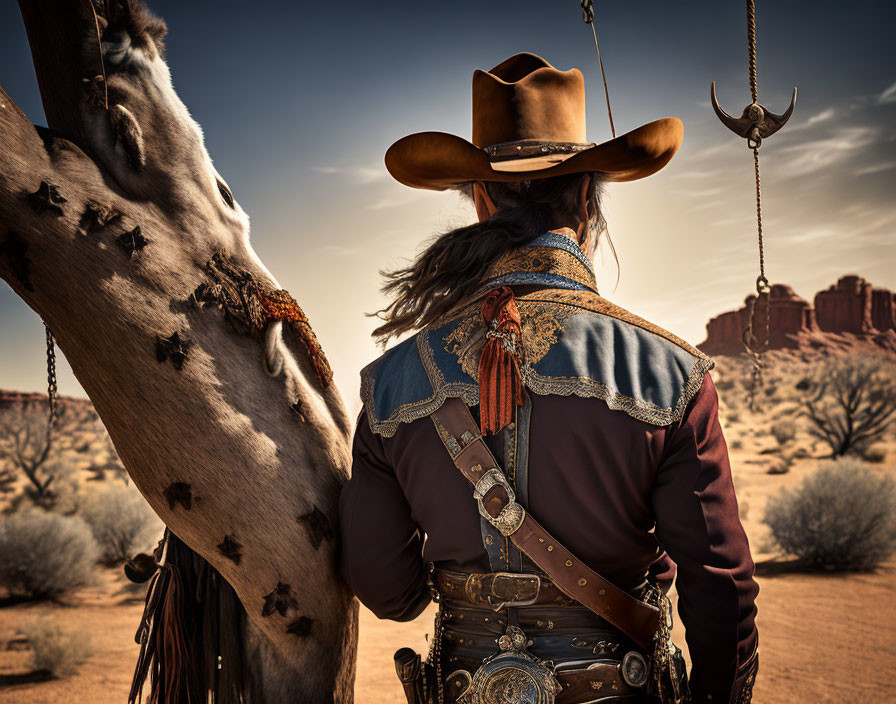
(536, 459)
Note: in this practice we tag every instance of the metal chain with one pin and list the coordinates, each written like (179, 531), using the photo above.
(51, 378)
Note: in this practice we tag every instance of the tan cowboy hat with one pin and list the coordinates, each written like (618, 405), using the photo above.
(529, 122)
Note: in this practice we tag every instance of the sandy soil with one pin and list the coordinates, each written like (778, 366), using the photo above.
(828, 638)
(825, 638)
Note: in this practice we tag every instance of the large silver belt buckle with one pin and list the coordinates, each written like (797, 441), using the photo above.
(512, 676)
(507, 589)
(511, 517)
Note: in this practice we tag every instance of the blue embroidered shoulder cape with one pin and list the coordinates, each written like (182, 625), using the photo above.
(574, 343)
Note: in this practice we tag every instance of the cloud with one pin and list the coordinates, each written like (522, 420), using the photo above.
(395, 199)
(818, 154)
(876, 168)
(734, 220)
(819, 117)
(698, 193)
(809, 234)
(337, 250)
(888, 96)
(823, 116)
(361, 174)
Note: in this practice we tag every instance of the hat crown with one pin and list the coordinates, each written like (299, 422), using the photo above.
(525, 98)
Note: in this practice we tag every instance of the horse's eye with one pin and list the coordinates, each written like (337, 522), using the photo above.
(226, 195)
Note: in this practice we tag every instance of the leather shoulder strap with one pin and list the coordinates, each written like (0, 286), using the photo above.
(497, 504)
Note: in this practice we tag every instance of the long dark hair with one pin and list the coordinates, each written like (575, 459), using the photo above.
(453, 266)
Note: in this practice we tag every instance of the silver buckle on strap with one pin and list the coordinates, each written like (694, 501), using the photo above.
(512, 515)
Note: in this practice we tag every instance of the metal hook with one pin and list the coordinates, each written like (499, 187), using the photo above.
(756, 122)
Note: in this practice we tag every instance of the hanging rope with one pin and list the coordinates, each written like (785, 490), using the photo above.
(99, 43)
(755, 124)
(588, 16)
(602, 226)
(760, 310)
(751, 49)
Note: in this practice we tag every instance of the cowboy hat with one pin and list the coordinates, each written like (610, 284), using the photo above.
(529, 122)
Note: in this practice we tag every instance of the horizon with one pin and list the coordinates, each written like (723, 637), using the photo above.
(297, 122)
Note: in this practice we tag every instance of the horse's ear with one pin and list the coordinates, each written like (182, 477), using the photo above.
(142, 26)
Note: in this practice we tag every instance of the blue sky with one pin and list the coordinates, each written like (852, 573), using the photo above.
(299, 101)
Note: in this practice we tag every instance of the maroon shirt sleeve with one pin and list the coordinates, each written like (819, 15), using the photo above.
(697, 522)
(381, 545)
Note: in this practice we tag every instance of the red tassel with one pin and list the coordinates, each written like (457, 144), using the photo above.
(500, 383)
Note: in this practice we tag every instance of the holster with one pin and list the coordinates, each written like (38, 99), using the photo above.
(411, 672)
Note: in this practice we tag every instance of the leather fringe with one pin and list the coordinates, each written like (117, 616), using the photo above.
(500, 382)
(191, 634)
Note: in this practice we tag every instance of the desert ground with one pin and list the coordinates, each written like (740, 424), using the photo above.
(824, 637)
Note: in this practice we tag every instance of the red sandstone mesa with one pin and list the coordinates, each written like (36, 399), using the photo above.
(851, 306)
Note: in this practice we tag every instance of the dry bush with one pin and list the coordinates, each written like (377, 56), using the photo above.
(29, 449)
(783, 431)
(851, 402)
(843, 517)
(799, 453)
(876, 454)
(779, 465)
(121, 520)
(56, 650)
(45, 555)
(725, 383)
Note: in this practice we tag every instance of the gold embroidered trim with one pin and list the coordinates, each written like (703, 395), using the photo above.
(465, 343)
(543, 260)
(594, 303)
(541, 326)
(547, 311)
(410, 412)
(583, 387)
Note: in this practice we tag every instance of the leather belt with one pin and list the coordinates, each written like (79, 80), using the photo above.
(497, 504)
(499, 590)
(589, 684)
(598, 682)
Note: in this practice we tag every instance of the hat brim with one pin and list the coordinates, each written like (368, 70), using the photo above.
(438, 161)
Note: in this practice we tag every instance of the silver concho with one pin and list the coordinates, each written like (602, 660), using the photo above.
(512, 676)
(634, 669)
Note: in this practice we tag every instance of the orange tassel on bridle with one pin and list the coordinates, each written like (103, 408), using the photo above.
(500, 383)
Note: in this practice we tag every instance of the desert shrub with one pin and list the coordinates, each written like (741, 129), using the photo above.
(843, 517)
(737, 444)
(779, 465)
(799, 453)
(851, 402)
(29, 449)
(875, 453)
(56, 650)
(783, 431)
(45, 555)
(121, 520)
(725, 383)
